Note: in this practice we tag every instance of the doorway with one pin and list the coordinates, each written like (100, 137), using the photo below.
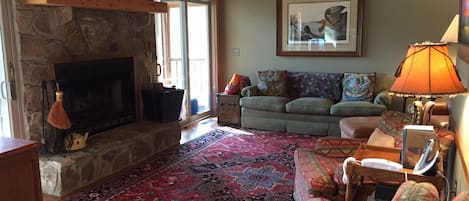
(184, 42)
(10, 121)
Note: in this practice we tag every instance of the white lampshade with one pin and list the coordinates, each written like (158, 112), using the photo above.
(451, 34)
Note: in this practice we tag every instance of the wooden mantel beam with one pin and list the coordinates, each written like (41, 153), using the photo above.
(123, 5)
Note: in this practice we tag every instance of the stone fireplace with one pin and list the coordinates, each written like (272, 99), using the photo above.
(51, 35)
(98, 94)
(48, 39)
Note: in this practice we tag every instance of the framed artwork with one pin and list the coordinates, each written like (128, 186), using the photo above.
(319, 27)
(463, 33)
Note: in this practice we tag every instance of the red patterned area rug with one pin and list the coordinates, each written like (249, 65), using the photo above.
(220, 165)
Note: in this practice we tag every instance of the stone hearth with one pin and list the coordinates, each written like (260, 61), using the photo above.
(107, 153)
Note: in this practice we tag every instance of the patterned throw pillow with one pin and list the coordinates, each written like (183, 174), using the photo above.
(315, 84)
(411, 190)
(358, 86)
(272, 83)
(392, 123)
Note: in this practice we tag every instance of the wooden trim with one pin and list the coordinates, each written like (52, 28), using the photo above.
(127, 5)
(216, 53)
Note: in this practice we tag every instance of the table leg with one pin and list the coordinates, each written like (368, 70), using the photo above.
(349, 189)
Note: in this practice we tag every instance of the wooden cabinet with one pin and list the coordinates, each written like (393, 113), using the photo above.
(228, 109)
(19, 170)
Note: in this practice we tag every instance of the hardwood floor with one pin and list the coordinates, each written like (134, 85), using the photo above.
(198, 129)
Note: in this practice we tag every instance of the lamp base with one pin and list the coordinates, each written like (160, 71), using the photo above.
(422, 112)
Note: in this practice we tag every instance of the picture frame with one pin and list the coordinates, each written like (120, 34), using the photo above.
(463, 30)
(319, 28)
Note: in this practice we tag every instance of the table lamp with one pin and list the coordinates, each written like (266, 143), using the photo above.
(426, 72)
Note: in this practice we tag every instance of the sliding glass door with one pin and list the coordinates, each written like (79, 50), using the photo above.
(184, 52)
(10, 122)
(199, 60)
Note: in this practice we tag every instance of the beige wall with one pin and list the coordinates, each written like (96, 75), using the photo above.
(389, 26)
(460, 113)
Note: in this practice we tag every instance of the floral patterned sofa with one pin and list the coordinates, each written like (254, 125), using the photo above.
(309, 102)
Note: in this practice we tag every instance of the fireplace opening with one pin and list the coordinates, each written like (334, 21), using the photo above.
(98, 94)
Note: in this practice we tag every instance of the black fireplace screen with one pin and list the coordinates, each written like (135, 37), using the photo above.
(98, 94)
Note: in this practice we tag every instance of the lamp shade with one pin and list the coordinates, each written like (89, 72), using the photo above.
(427, 70)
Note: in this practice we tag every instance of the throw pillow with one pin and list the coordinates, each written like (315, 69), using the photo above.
(335, 147)
(272, 83)
(233, 87)
(378, 138)
(383, 98)
(244, 82)
(358, 86)
(392, 123)
(411, 190)
(236, 84)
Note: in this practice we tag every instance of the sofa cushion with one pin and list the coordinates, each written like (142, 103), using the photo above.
(356, 108)
(264, 103)
(309, 105)
(358, 86)
(316, 172)
(272, 83)
(315, 84)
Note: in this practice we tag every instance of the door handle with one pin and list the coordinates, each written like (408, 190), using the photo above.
(3, 89)
(12, 81)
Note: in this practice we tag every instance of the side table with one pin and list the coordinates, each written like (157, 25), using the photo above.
(228, 109)
(19, 170)
(362, 179)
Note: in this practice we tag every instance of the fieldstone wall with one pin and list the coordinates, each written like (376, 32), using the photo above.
(49, 34)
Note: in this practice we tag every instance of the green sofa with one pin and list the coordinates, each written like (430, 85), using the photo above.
(313, 105)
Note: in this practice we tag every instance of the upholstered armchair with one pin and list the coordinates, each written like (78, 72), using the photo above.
(318, 171)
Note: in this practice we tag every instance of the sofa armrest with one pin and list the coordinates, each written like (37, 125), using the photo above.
(383, 98)
(441, 107)
(250, 91)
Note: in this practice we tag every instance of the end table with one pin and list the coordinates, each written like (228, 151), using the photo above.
(228, 109)
(362, 179)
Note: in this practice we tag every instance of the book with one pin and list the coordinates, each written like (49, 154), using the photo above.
(414, 140)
